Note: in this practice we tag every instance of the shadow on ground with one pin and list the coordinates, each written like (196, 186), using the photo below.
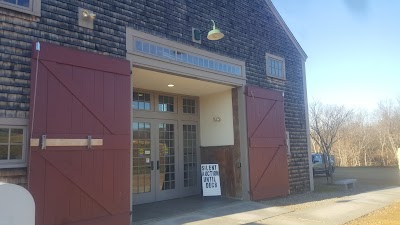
(368, 179)
(198, 210)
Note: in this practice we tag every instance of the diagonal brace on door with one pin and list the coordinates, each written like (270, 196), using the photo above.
(266, 168)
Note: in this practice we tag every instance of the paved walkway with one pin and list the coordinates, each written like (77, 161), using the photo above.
(244, 212)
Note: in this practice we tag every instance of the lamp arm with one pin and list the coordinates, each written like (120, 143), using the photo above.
(213, 23)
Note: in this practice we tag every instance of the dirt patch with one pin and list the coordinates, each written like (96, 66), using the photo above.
(388, 215)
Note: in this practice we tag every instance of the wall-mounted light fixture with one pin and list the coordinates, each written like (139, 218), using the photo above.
(86, 18)
(215, 34)
(88, 14)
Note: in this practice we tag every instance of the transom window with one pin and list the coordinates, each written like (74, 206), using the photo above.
(141, 101)
(192, 59)
(275, 66)
(23, 3)
(148, 101)
(11, 145)
(166, 103)
(189, 106)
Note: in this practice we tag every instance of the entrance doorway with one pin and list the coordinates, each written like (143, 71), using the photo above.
(155, 154)
(165, 147)
(169, 115)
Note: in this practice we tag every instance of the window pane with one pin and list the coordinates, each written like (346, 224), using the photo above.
(11, 1)
(141, 177)
(189, 150)
(3, 152)
(24, 3)
(146, 47)
(16, 135)
(153, 49)
(187, 58)
(139, 46)
(275, 67)
(165, 103)
(141, 101)
(189, 106)
(160, 51)
(15, 151)
(4, 136)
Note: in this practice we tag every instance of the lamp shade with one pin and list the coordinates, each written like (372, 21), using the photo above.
(215, 34)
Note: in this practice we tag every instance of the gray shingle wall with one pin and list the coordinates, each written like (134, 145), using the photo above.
(251, 31)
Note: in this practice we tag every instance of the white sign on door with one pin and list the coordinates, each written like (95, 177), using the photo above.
(210, 180)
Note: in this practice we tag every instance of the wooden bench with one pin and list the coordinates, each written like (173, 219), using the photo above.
(347, 183)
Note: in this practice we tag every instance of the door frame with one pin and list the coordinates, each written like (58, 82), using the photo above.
(162, 195)
(180, 118)
(143, 198)
(196, 189)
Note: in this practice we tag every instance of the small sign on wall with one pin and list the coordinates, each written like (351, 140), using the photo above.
(210, 180)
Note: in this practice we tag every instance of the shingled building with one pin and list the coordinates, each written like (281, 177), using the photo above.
(114, 103)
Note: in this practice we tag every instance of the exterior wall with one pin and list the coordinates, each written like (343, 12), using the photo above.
(14, 176)
(247, 38)
(228, 157)
(216, 133)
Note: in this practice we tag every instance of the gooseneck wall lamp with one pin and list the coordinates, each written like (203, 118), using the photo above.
(215, 34)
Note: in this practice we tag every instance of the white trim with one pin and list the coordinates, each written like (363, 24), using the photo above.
(14, 121)
(33, 9)
(286, 29)
(244, 151)
(310, 164)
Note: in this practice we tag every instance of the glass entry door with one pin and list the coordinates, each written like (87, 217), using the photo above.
(155, 160)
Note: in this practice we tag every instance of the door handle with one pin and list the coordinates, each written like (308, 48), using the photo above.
(158, 164)
(152, 165)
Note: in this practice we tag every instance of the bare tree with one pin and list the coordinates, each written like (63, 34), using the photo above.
(325, 123)
(388, 127)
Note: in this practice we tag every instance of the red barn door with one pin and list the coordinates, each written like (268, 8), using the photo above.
(267, 146)
(79, 172)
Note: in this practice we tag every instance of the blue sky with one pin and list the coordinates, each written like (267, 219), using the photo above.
(353, 48)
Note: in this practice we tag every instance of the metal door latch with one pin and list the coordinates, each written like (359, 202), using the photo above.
(43, 142)
(89, 142)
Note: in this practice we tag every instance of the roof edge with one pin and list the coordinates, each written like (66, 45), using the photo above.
(286, 29)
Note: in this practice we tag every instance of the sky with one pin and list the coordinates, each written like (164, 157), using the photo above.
(353, 48)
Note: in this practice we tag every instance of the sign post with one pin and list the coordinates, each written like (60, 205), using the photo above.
(210, 180)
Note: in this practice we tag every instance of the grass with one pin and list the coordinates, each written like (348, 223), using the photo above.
(388, 215)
